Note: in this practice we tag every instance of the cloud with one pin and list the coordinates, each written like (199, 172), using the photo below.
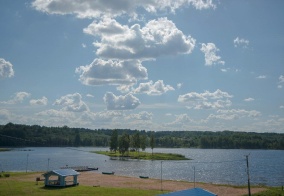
(111, 72)
(210, 51)
(42, 101)
(157, 38)
(99, 8)
(19, 97)
(180, 120)
(72, 103)
(145, 116)
(5, 115)
(127, 102)
(157, 88)
(261, 77)
(249, 99)
(6, 69)
(281, 107)
(241, 42)
(234, 114)
(179, 85)
(206, 100)
(90, 95)
(281, 80)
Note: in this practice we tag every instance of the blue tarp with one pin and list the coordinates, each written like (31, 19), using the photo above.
(63, 172)
(190, 192)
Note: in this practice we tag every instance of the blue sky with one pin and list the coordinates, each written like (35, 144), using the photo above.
(197, 65)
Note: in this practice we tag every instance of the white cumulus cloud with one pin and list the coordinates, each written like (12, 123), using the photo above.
(158, 37)
(114, 8)
(19, 97)
(111, 72)
(249, 99)
(151, 88)
(127, 102)
(281, 81)
(140, 116)
(234, 114)
(42, 101)
(206, 100)
(211, 58)
(241, 42)
(72, 103)
(6, 69)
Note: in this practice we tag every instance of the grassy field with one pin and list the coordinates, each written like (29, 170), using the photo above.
(16, 185)
(272, 191)
(145, 155)
(4, 149)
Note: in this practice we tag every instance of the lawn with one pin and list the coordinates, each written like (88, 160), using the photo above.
(15, 186)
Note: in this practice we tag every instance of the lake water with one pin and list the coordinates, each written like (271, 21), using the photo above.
(266, 167)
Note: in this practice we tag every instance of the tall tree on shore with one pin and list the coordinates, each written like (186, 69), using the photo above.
(114, 141)
(143, 142)
(123, 143)
(152, 142)
(136, 141)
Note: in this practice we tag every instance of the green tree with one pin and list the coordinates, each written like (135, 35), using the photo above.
(77, 140)
(152, 142)
(114, 141)
(123, 143)
(136, 141)
(143, 142)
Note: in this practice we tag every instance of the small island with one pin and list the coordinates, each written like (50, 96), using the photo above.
(144, 155)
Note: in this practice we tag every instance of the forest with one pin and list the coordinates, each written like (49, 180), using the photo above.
(17, 135)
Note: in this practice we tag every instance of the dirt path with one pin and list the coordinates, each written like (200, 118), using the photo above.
(97, 179)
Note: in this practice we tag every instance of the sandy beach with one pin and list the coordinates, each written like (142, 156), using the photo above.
(96, 179)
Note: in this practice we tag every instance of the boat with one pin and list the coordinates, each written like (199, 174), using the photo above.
(144, 177)
(93, 168)
(108, 173)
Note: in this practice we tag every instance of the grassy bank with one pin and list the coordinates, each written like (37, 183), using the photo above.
(145, 155)
(4, 149)
(19, 184)
(277, 191)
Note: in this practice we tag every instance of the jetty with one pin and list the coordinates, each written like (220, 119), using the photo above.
(80, 168)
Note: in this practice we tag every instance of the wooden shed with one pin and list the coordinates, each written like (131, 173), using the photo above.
(61, 178)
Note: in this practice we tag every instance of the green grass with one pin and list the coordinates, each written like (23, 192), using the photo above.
(145, 155)
(4, 149)
(271, 191)
(9, 187)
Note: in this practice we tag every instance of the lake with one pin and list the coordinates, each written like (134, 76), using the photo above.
(218, 166)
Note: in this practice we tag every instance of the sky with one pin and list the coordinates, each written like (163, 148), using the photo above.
(155, 65)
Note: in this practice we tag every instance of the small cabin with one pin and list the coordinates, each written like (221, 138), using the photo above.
(61, 178)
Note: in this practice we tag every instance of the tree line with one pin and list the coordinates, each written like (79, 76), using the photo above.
(17, 135)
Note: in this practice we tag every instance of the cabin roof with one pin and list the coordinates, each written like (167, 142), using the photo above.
(191, 192)
(63, 172)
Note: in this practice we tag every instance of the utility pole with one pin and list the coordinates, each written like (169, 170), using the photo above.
(161, 175)
(27, 163)
(194, 176)
(248, 175)
(48, 164)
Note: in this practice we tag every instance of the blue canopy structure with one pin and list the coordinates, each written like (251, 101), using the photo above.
(191, 192)
(59, 178)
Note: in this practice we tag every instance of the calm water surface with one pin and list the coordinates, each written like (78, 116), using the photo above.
(208, 165)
